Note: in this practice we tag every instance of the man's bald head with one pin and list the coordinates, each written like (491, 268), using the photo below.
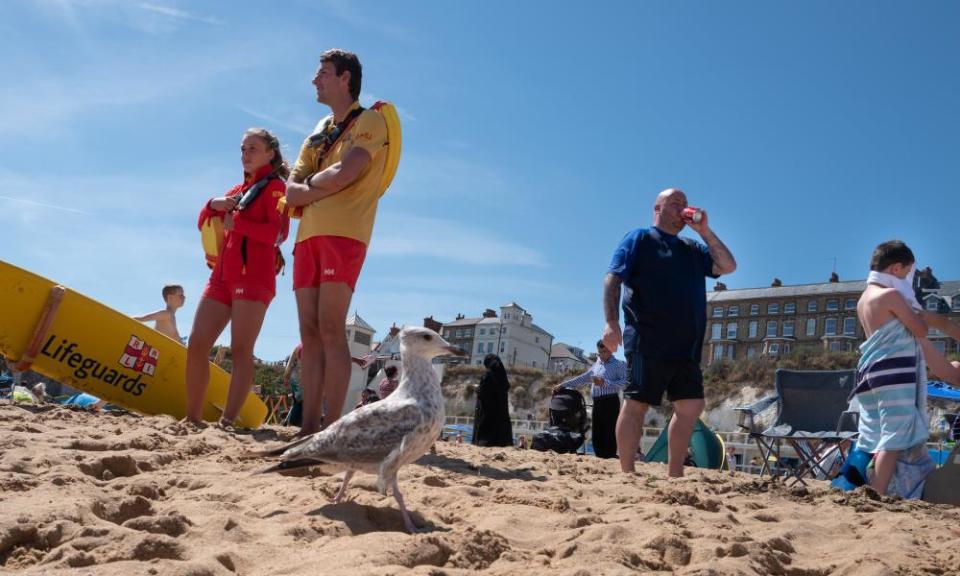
(666, 195)
(667, 210)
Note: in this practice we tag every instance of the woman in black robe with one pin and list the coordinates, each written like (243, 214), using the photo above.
(491, 422)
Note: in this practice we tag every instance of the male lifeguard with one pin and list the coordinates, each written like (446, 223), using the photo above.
(336, 182)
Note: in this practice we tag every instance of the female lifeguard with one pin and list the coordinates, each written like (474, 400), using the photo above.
(243, 281)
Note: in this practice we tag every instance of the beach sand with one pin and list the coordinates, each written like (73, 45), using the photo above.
(84, 493)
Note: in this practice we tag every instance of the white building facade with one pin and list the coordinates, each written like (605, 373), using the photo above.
(513, 336)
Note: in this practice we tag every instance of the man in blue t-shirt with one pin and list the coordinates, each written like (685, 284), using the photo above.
(665, 315)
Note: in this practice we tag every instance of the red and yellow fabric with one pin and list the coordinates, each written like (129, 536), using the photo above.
(351, 212)
(261, 227)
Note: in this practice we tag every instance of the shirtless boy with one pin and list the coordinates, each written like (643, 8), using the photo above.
(892, 419)
(165, 321)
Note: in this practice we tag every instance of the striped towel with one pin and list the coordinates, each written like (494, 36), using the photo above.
(891, 378)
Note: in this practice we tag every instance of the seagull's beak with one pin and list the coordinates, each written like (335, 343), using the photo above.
(456, 351)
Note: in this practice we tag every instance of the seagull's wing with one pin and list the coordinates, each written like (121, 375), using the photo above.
(367, 435)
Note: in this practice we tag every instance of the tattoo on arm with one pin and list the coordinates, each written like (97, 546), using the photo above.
(611, 298)
(723, 262)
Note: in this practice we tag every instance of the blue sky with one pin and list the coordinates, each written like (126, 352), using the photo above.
(536, 134)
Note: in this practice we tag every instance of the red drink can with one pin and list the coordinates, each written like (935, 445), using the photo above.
(691, 214)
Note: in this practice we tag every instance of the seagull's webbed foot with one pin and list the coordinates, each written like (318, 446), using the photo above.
(343, 487)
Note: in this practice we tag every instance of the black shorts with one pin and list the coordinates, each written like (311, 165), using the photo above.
(648, 378)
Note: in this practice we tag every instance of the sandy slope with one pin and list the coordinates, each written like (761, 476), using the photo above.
(101, 494)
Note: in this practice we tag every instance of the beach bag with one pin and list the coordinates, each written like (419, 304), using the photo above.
(394, 141)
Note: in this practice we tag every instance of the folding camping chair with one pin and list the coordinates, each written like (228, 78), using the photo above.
(811, 418)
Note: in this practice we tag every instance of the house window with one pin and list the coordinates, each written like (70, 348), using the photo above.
(771, 328)
(832, 305)
(774, 348)
(812, 306)
(773, 308)
(788, 328)
(733, 311)
(718, 352)
(940, 345)
(483, 331)
(956, 302)
(751, 352)
(459, 333)
(754, 309)
(790, 308)
(811, 326)
(361, 338)
(830, 328)
(850, 326)
(718, 311)
(467, 333)
(752, 329)
(731, 330)
(503, 346)
(933, 303)
(730, 350)
(836, 347)
(480, 348)
(715, 331)
(850, 304)
(787, 347)
(537, 339)
(489, 347)
(446, 334)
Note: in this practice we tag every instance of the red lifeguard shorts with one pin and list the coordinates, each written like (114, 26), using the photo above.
(323, 259)
(227, 292)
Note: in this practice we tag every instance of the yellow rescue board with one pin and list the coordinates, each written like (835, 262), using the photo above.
(97, 349)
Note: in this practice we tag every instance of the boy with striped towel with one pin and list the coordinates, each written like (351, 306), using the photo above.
(891, 374)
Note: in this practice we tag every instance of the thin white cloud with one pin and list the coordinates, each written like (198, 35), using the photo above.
(294, 125)
(149, 17)
(177, 14)
(367, 99)
(364, 18)
(45, 103)
(457, 241)
(45, 205)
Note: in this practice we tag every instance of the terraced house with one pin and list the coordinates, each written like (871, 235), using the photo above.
(772, 321)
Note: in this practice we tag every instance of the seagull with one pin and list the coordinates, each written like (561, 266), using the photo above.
(381, 437)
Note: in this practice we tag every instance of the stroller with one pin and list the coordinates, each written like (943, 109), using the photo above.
(568, 424)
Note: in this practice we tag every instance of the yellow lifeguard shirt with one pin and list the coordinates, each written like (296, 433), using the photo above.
(350, 212)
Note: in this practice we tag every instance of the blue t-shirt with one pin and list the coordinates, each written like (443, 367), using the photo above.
(664, 293)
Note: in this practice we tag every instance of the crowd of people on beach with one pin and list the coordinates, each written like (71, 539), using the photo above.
(656, 277)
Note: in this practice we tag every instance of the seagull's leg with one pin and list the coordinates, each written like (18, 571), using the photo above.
(343, 486)
(403, 509)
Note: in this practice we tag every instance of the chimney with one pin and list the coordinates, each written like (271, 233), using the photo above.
(776, 283)
(394, 330)
(432, 324)
(489, 313)
(459, 317)
(719, 287)
(834, 278)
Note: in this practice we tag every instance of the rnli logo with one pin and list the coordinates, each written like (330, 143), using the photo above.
(140, 357)
(329, 271)
(238, 291)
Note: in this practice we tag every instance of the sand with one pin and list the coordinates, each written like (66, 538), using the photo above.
(84, 493)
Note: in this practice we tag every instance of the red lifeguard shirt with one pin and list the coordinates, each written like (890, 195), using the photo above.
(249, 252)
